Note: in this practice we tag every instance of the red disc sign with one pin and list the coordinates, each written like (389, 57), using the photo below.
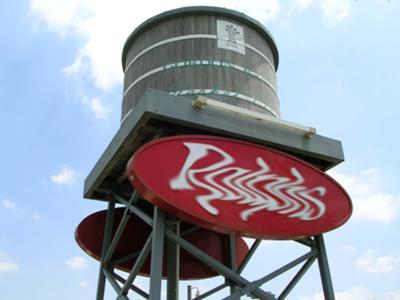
(236, 187)
(90, 233)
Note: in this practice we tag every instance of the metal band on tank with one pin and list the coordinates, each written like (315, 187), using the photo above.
(202, 62)
(227, 94)
(194, 36)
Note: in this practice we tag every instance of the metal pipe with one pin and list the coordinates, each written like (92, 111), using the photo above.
(216, 265)
(232, 260)
(257, 283)
(157, 254)
(120, 230)
(137, 266)
(249, 255)
(212, 291)
(132, 287)
(297, 278)
(106, 241)
(145, 217)
(324, 269)
(112, 281)
(173, 265)
(125, 258)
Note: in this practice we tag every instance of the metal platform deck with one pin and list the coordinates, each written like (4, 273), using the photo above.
(160, 114)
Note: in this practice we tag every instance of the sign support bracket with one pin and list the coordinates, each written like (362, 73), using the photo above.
(166, 235)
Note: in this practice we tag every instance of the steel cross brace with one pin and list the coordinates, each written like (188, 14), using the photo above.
(257, 283)
(161, 229)
(106, 242)
(216, 265)
(109, 245)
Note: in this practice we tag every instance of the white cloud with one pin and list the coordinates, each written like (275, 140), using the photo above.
(7, 264)
(21, 211)
(8, 204)
(83, 284)
(372, 264)
(304, 4)
(77, 262)
(105, 25)
(333, 11)
(98, 108)
(61, 15)
(357, 293)
(370, 201)
(65, 176)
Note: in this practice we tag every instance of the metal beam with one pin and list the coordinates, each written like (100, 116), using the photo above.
(120, 230)
(249, 255)
(211, 292)
(137, 266)
(297, 278)
(145, 217)
(125, 258)
(189, 230)
(112, 281)
(324, 269)
(216, 265)
(257, 283)
(232, 260)
(106, 242)
(173, 265)
(132, 287)
(157, 254)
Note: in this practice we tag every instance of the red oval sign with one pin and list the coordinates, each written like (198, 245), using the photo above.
(90, 233)
(237, 187)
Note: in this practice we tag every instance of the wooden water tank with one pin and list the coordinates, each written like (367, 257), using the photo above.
(214, 52)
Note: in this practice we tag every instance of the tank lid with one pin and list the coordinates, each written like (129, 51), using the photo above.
(200, 10)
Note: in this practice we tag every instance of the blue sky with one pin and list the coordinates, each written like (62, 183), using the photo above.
(60, 95)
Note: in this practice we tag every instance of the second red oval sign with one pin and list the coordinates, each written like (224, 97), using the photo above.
(237, 187)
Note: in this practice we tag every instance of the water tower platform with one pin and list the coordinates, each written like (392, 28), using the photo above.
(158, 114)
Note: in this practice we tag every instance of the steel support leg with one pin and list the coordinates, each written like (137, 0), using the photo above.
(173, 265)
(157, 254)
(324, 269)
(232, 261)
(106, 242)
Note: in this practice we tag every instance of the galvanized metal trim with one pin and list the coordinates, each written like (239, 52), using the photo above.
(224, 93)
(202, 62)
(193, 36)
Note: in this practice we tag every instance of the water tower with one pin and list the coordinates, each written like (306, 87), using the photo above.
(202, 159)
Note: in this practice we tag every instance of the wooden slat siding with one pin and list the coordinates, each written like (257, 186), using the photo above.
(206, 77)
(195, 77)
(196, 49)
(192, 25)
